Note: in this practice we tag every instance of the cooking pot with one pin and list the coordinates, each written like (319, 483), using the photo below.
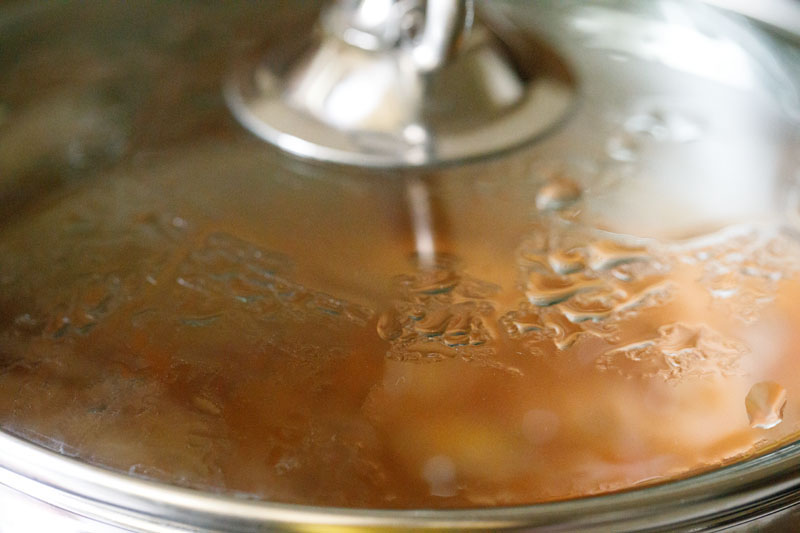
(398, 266)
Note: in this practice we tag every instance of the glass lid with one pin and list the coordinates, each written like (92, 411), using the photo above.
(612, 305)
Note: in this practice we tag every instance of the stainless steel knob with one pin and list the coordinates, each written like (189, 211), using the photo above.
(404, 83)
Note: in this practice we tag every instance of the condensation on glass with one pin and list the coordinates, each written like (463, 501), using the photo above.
(614, 307)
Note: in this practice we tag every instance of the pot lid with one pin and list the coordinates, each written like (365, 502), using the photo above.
(611, 305)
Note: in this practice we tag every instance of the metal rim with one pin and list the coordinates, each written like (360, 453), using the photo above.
(725, 496)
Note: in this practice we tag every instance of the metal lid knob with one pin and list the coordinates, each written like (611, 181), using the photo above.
(395, 83)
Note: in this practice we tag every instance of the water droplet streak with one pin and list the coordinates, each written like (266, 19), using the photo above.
(623, 147)
(582, 290)
(665, 126)
(741, 271)
(679, 350)
(764, 404)
(235, 270)
(206, 406)
(543, 290)
(201, 321)
(605, 254)
(566, 261)
(440, 314)
(389, 325)
(558, 193)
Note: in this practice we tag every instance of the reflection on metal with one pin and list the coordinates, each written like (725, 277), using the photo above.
(781, 14)
(419, 205)
(386, 83)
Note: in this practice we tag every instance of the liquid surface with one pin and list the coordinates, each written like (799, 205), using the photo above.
(181, 303)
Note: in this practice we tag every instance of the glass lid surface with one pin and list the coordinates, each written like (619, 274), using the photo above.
(614, 305)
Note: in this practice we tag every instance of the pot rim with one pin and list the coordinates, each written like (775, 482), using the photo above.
(724, 496)
(727, 495)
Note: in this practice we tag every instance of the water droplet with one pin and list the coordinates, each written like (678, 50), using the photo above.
(594, 309)
(230, 268)
(545, 290)
(434, 323)
(563, 332)
(358, 314)
(476, 289)
(326, 303)
(558, 193)
(459, 325)
(566, 262)
(522, 322)
(286, 464)
(431, 281)
(605, 254)
(478, 337)
(665, 126)
(623, 147)
(724, 286)
(201, 321)
(680, 350)
(741, 273)
(178, 222)
(440, 474)
(677, 337)
(764, 404)
(389, 326)
(534, 261)
(26, 321)
(414, 311)
(442, 314)
(206, 406)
